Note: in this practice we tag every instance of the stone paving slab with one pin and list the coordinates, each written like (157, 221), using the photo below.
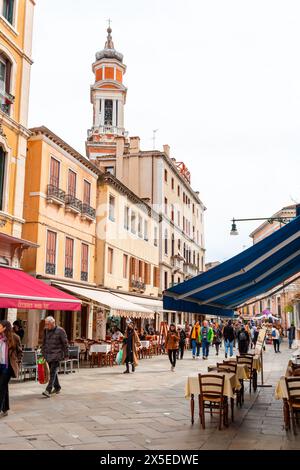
(102, 409)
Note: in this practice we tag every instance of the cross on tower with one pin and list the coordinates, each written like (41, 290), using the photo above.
(109, 21)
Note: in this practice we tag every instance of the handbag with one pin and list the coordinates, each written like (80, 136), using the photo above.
(119, 357)
(43, 371)
(294, 344)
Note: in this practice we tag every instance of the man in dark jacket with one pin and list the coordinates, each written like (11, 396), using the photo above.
(228, 334)
(54, 350)
(291, 331)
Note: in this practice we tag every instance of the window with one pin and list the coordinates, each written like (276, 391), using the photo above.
(166, 242)
(193, 232)
(147, 274)
(178, 219)
(72, 183)
(172, 183)
(178, 191)
(110, 255)
(54, 172)
(108, 113)
(111, 212)
(179, 245)
(166, 206)
(183, 223)
(141, 270)
(198, 237)
(193, 208)
(155, 236)
(51, 253)
(166, 176)
(140, 226)
(110, 169)
(126, 218)
(69, 257)
(156, 277)
(173, 245)
(166, 280)
(172, 213)
(183, 198)
(6, 99)
(146, 230)
(8, 10)
(125, 264)
(86, 192)
(84, 262)
(2, 174)
(133, 222)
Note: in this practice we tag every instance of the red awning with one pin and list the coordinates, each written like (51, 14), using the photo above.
(19, 290)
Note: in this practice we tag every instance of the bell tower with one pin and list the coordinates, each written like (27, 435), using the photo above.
(108, 97)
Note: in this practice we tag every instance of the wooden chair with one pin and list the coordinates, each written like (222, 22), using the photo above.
(212, 398)
(248, 361)
(293, 389)
(230, 366)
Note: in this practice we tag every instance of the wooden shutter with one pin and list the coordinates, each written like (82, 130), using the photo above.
(72, 183)
(87, 193)
(69, 253)
(54, 172)
(84, 258)
(51, 247)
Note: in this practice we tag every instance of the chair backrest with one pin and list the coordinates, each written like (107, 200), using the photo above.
(73, 352)
(211, 385)
(293, 388)
(29, 358)
(230, 366)
(246, 360)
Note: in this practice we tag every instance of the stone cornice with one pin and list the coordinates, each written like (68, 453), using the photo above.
(14, 125)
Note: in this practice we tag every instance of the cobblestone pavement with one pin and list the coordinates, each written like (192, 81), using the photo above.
(104, 409)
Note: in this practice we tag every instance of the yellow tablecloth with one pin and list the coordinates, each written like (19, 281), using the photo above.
(242, 371)
(281, 390)
(231, 382)
(256, 362)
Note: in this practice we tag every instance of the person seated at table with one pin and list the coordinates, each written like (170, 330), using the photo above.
(243, 340)
(117, 334)
(142, 335)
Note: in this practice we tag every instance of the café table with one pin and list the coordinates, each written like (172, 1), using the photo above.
(242, 371)
(145, 344)
(192, 387)
(281, 393)
(98, 353)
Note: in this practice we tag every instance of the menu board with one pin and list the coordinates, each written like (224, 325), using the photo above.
(260, 340)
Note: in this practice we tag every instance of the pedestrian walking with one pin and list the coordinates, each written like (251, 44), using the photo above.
(10, 358)
(172, 345)
(131, 344)
(217, 338)
(243, 340)
(228, 335)
(291, 333)
(195, 338)
(276, 339)
(17, 327)
(206, 338)
(182, 342)
(54, 350)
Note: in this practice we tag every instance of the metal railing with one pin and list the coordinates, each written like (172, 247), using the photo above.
(69, 272)
(56, 193)
(50, 268)
(6, 100)
(84, 276)
(138, 284)
(73, 203)
(89, 211)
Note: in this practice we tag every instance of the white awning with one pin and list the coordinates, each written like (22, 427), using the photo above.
(154, 304)
(117, 305)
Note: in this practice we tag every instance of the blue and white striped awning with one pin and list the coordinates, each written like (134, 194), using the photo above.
(254, 271)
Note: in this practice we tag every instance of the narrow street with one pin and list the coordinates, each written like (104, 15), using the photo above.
(103, 409)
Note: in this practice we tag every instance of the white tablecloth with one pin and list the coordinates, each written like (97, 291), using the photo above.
(145, 344)
(100, 348)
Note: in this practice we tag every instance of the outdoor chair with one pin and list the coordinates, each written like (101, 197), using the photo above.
(293, 389)
(74, 352)
(29, 364)
(212, 398)
(248, 361)
(230, 367)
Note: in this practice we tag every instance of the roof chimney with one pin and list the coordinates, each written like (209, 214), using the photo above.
(134, 145)
(167, 150)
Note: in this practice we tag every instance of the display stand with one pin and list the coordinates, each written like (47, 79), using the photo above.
(259, 352)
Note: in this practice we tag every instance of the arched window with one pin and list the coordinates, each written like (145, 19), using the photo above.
(173, 246)
(2, 172)
(8, 10)
(166, 242)
(6, 99)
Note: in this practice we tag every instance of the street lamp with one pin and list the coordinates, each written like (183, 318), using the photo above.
(282, 220)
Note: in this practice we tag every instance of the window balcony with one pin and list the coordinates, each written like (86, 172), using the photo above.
(55, 195)
(84, 276)
(177, 262)
(190, 269)
(73, 204)
(50, 268)
(69, 272)
(6, 100)
(88, 212)
(138, 285)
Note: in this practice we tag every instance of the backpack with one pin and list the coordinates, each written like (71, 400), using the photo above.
(274, 333)
(242, 336)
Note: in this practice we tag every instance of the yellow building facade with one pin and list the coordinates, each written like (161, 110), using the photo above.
(59, 209)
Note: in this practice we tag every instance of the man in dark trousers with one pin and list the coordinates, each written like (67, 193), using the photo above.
(291, 331)
(54, 350)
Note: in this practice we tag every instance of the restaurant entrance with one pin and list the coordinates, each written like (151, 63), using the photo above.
(3, 313)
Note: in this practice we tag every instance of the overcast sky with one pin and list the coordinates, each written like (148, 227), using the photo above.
(220, 79)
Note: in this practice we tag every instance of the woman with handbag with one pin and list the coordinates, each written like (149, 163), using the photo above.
(10, 358)
(172, 345)
(131, 343)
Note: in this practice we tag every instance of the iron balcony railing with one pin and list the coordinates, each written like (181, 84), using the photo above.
(69, 272)
(6, 100)
(84, 276)
(53, 192)
(73, 203)
(50, 268)
(87, 210)
(138, 284)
